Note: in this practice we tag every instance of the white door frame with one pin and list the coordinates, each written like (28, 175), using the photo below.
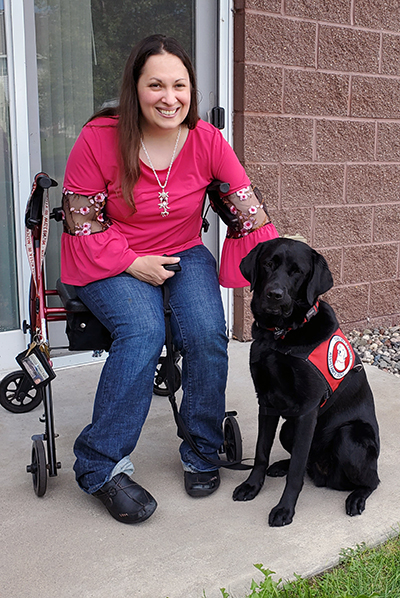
(225, 92)
(216, 17)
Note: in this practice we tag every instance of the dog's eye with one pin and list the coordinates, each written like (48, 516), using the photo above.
(269, 264)
(294, 269)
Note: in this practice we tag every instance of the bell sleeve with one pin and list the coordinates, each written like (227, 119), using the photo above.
(91, 247)
(248, 220)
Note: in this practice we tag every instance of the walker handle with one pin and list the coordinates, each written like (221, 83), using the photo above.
(173, 267)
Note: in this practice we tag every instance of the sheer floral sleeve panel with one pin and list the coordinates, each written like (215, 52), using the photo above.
(248, 224)
(84, 215)
(248, 210)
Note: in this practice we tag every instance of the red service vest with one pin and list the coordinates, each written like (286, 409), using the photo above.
(334, 358)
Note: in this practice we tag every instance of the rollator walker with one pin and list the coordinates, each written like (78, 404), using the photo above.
(25, 389)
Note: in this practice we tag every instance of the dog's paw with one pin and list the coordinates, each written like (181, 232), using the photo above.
(280, 516)
(246, 491)
(355, 503)
(278, 469)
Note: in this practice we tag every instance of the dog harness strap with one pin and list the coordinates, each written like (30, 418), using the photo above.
(330, 397)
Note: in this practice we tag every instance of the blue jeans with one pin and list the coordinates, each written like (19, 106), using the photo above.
(133, 312)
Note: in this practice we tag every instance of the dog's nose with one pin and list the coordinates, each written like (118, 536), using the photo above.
(276, 294)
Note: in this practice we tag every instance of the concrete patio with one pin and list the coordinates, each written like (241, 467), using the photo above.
(66, 545)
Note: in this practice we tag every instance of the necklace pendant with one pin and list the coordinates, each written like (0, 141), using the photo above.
(163, 205)
(162, 195)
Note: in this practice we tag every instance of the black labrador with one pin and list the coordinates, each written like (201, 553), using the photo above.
(305, 371)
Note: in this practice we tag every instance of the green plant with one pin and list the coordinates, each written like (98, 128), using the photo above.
(362, 572)
(265, 589)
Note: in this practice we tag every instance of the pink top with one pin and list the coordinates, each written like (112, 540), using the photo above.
(93, 168)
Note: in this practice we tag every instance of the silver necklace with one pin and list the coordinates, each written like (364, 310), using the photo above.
(163, 195)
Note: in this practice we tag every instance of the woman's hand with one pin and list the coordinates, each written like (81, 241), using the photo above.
(150, 268)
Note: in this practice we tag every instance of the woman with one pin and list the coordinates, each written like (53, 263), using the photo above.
(133, 194)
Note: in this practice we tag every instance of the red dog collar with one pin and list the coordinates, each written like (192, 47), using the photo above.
(282, 332)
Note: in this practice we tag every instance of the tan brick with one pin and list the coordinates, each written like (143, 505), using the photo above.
(375, 262)
(258, 89)
(321, 10)
(385, 298)
(350, 303)
(320, 94)
(388, 142)
(372, 183)
(266, 5)
(391, 55)
(279, 41)
(334, 257)
(376, 14)
(373, 97)
(292, 222)
(348, 50)
(311, 184)
(270, 139)
(344, 141)
(266, 178)
(387, 223)
(342, 226)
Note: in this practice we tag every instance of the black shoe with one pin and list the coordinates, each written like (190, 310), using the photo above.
(125, 500)
(202, 483)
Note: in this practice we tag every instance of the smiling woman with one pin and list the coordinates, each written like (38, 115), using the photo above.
(152, 143)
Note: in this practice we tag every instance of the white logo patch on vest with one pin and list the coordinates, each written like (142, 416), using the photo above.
(340, 357)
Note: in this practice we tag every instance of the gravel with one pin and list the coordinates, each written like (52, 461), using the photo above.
(379, 347)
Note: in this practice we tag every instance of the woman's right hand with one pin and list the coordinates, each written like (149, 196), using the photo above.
(150, 268)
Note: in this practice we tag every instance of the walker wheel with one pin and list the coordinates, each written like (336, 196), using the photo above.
(17, 393)
(232, 439)
(160, 378)
(38, 467)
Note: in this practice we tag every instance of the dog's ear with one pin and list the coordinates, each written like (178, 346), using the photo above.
(249, 265)
(321, 278)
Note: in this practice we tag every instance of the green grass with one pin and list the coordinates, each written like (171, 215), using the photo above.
(361, 573)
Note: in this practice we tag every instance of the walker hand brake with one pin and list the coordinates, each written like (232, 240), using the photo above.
(173, 267)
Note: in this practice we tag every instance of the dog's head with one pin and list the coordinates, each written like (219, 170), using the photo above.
(287, 277)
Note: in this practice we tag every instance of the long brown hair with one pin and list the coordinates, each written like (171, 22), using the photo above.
(129, 132)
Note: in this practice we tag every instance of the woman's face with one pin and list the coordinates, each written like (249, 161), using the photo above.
(164, 92)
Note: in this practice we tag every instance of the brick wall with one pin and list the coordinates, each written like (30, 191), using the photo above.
(317, 127)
